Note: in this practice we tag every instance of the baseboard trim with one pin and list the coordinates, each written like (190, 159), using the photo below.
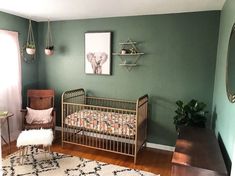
(58, 128)
(148, 144)
(160, 146)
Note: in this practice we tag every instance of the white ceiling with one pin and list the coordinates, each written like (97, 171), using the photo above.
(42, 10)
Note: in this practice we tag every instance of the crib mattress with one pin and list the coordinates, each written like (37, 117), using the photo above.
(106, 122)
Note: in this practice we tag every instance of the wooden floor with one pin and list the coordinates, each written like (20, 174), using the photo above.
(151, 160)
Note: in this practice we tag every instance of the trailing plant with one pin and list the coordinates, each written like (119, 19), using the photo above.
(50, 47)
(190, 114)
(31, 45)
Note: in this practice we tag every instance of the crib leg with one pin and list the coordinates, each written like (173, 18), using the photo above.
(135, 159)
(62, 137)
(145, 144)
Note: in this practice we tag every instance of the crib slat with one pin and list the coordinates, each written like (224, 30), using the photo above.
(67, 136)
(116, 134)
(125, 144)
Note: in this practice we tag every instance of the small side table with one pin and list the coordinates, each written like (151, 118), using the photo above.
(6, 117)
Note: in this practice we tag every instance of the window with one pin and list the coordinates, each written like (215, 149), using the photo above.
(10, 81)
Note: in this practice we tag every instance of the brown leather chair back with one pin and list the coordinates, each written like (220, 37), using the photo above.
(40, 99)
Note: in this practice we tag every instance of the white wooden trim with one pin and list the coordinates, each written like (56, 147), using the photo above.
(58, 128)
(160, 146)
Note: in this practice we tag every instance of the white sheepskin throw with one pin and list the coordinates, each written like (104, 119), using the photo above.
(35, 137)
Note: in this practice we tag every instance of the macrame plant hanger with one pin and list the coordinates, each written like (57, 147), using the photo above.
(30, 45)
(49, 50)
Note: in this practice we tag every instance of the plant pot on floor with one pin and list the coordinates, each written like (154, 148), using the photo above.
(190, 114)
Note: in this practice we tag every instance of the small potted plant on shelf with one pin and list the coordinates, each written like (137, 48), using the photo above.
(30, 48)
(190, 114)
(49, 50)
(123, 51)
(133, 51)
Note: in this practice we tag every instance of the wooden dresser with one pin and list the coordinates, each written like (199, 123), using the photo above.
(197, 153)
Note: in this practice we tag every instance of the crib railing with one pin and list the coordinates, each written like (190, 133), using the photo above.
(113, 103)
(74, 96)
(75, 101)
(98, 138)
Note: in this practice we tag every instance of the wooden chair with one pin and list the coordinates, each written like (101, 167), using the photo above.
(39, 100)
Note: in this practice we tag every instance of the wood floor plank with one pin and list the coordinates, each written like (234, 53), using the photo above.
(151, 160)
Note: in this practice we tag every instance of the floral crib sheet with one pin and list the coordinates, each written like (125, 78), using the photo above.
(107, 122)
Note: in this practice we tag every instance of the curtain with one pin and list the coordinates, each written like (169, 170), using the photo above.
(10, 81)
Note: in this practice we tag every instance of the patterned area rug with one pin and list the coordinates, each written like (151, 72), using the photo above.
(36, 163)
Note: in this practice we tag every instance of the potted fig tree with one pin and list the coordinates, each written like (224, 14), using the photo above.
(191, 114)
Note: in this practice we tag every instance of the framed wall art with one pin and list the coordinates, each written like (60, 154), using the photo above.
(98, 53)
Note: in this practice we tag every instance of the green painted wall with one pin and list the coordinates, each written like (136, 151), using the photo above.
(179, 62)
(29, 71)
(223, 110)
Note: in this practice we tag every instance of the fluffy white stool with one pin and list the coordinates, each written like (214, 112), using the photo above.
(35, 137)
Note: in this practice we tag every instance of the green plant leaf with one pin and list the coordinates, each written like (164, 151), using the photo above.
(179, 103)
(190, 114)
(31, 45)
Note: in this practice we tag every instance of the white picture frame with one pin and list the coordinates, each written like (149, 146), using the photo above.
(98, 53)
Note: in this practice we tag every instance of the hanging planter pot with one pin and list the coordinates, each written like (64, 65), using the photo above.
(30, 45)
(49, 50)
(30, 49)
